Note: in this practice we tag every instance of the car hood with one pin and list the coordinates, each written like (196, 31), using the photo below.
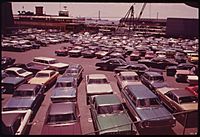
(113, 120)
(99, 88)
(19, 102)
(59, 65)
(63, 92)
(12, 80)
(38, 80)
(154, 113)
(62, 129)
(189, 106)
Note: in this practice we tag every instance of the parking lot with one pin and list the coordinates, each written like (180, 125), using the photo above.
(89, 68)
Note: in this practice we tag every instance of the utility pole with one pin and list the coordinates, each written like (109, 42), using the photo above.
(99, 15)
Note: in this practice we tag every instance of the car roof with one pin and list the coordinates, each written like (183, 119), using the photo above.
(45, 71)
(182, 93)
(128, 73)
(29, 87)
(65, 79)
(97, 76)
(44, 58)
(107, 99)
(10, 118)
(61, 108)
(141, 91)
(13, 68)
(153, 73)
(74, 66)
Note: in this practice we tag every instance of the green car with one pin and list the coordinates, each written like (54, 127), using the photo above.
(109, 116)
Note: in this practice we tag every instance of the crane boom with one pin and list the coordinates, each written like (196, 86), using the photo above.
(141, 11)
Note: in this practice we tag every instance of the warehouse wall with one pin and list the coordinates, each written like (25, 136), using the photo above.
(181, 27)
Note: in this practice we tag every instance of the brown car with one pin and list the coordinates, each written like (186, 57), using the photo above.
(62, 119)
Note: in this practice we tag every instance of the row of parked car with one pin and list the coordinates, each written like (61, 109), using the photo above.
(29, 94)
(32, 39)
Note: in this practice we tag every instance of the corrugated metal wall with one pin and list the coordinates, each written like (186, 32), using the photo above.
(181, 27)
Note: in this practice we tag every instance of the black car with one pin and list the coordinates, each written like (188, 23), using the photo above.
(138, 68)
(9, 84)
(6, 62)
(185, 66)
(180, 57)
(162, 62)
(76, 71)
(153, 80)
(111, 64)
(88, 53)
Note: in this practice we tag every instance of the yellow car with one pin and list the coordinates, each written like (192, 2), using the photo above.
(193, 58)
(45, 77)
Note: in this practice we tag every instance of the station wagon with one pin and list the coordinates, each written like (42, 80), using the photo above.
(145, 106)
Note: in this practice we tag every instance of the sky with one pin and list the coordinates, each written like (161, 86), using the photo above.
(112, 11)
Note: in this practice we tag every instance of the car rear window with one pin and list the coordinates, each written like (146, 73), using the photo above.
(97, 81)
(148, 102)
(109, 109)
(42, 75)
(65, 84)
(23, 93)
(61, 118)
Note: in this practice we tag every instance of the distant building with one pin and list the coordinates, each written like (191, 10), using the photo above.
(182, 27)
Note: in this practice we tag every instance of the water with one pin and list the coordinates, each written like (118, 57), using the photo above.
(112, 11)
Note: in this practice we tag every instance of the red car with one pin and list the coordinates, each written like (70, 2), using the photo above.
(63, 51)
(62, 119)
(193, 89)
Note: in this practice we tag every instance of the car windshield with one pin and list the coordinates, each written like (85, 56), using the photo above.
(130, 78)
(97, 81)
(23, 93)
(42, 75)
(53, 61)
(64, 84)
(188, 99)
(110, 109)
(148, 102)
(20, 71)
(62, 118)
(71, 71)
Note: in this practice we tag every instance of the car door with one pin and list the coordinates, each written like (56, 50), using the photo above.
(169, 100)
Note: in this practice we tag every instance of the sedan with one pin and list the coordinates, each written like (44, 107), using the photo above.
(26, 96)
(76, 71)
(162, 62)
(109, 116)
(65, 90)
(19, 72)
(138, 68)
(97, 84)
(193, 89)
(127, 78)
(63, 51)
(62, 119)
(111, 64)
(178, 99)
(45, 77)
(6, 61)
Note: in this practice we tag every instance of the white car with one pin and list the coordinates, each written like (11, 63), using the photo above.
(97, 84)
(19, 72)
(52, 63)
(127, 78)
